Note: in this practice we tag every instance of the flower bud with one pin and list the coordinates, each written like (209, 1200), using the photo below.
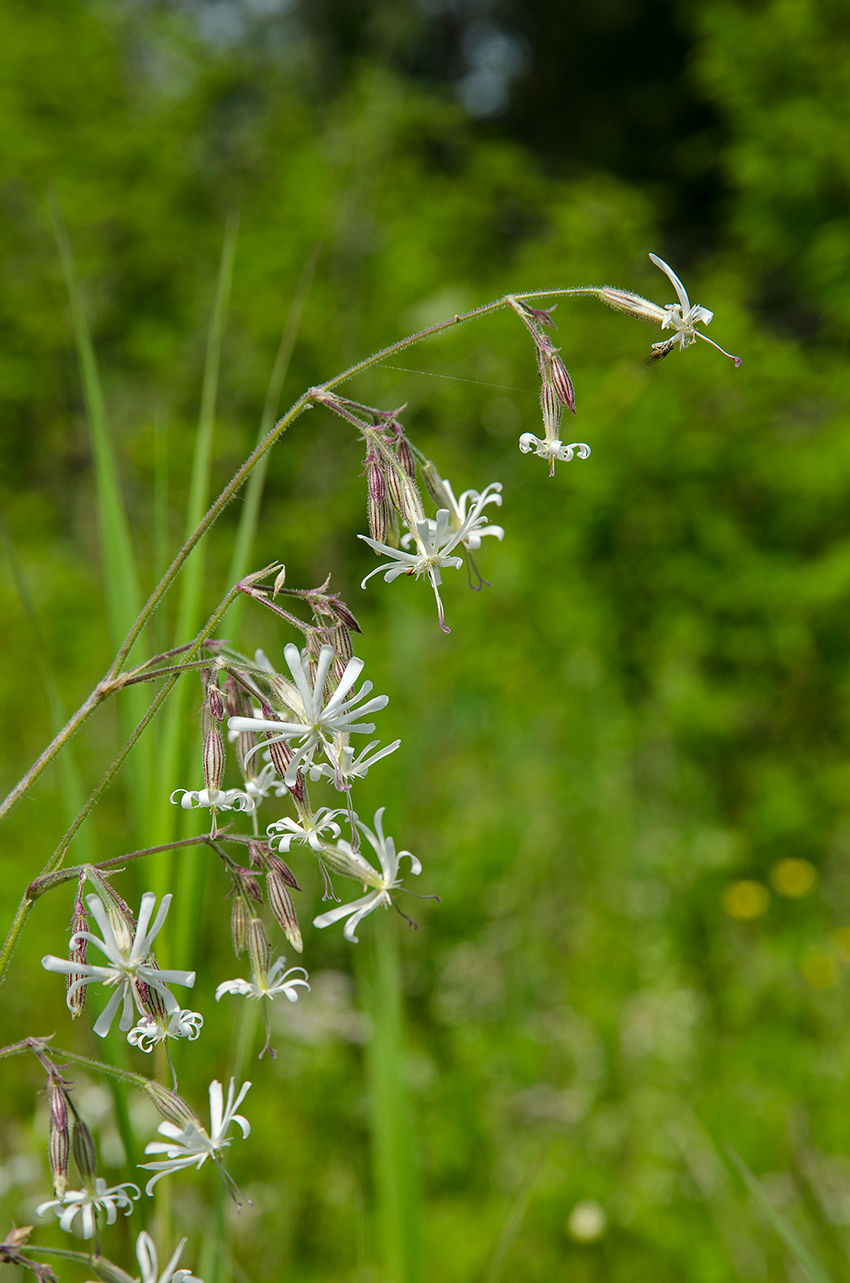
(213, 757)
(249, 884)
(625, 301)
(85, 1154)
(433, 483)
(404, 454)
(173, 1108)
(117, 910)
(238, 924)
(58, 1153)
(280, 903)
(280, 755)
(561, 382)
(107, 1272)
(552, 411)
(259, 949)
(215, 703)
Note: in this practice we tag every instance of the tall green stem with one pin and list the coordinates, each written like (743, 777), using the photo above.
(395, 1167)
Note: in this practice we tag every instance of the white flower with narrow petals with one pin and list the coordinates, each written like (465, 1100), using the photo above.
(683, 317)
(86, 1204)
(266, 984)
(218, 799)
(149, 1033)
(314, 830)
(277, 981)
(348, 767)
(148, 1259)
(382, 885)
(553, 450)
(317, 722)
(191, 1146)
(467, 510)
(127, 964)
(435, 543)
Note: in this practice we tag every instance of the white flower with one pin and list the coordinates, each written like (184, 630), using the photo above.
(86, 1204)
(458, 515)
(148, 1033)
(127, 964)
(683, 317)
(308, 830)
(435, 541)
(317, 722)
(382, 884)
(350, 767)
(553, 450)
(268, 781)
(146, 1255)
(192, 1146)
(277, 981)
(220, 799)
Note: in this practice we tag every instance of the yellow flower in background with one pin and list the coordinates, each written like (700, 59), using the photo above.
(746, 900)
(841, 941)
(793, 878)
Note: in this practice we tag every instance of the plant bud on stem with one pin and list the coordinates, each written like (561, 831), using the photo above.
(433, 483)
(173, 1108)
(85, 1154)
(280, 903)
(259, 949)
(239, 916)
(58, 1153)
(117, 910)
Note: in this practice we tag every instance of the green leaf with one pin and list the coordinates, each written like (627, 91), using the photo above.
(786, 1232)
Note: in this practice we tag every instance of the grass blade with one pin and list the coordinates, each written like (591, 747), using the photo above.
(121, 577)
(784, 1230)
(244, 544)
(172, 746)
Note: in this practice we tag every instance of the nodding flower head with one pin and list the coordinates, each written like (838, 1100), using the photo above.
(682, 317)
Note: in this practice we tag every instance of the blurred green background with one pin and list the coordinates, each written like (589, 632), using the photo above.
(645, 715)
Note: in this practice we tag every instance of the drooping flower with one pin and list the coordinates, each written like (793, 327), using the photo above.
(467, 510)
(149, 1033)
(146, 1254)
(267, 984)
(317, 722)
(127, 964)
(192, 1145)
(683, 317)
(277, 981)
(553, 450)
(435, 543)
(312, 829)
(382, 884)
(86, 1204)
(218, 799)
(349, 767)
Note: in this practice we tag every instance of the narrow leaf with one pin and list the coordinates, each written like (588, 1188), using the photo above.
(786, 1232)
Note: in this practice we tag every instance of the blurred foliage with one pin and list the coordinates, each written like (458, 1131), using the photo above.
(646, 713)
